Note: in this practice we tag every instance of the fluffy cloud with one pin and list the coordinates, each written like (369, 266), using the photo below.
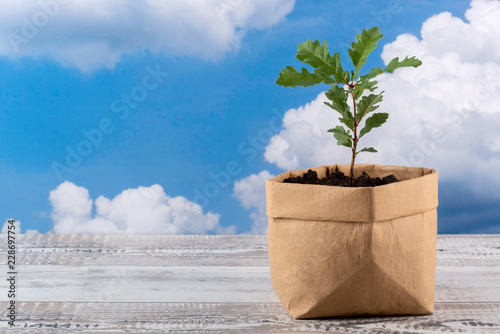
(305, 132)
(443, 115)
(17, 224)
(5, 226)
(249, 192)
(90, 34)
(145, 210)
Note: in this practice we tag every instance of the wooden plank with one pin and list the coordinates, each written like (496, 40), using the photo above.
(209, 284)
(178, 250)
(468, 250)
(139, 250)
(145, 284)
(40, 318)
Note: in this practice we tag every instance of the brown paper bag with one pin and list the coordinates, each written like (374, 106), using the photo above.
(339, 251)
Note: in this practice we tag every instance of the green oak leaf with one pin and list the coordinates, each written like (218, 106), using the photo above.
(342, 135)
(372, 74)
(290, 77)
(407, 62)
(368, 149)
(361, 87)
(365, 43)
(367, 104)
(365, 83)
(348, 121)
(339, 96)
(373, 121)
(317, 56)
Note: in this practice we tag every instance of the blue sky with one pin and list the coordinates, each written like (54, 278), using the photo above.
(213, 95)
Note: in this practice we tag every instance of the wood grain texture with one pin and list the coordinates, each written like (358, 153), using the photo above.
(178, 250)
(35, 318)
(217, 284)
(202, 284)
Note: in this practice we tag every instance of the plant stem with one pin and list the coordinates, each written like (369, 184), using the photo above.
(355, 139)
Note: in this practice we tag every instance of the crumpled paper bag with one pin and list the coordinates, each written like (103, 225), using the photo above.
(338, 251)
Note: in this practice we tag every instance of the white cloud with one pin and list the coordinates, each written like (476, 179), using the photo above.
(90, 34)
(17, 230)
(17, 226)
(444, 114)
(475, 40)
(145, 210)
(304, 140)
(251, 192)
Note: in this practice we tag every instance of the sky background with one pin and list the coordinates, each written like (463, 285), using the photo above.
(164, 117)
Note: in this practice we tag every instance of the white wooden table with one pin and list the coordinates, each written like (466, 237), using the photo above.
(215, 284)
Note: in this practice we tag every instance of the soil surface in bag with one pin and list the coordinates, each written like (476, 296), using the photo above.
(340, 179)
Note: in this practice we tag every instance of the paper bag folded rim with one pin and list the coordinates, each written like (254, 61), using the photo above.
(415, 192)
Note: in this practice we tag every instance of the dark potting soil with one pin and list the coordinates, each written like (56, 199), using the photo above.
(340, 179)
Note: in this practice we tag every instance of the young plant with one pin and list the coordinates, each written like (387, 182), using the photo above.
(345, 84)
